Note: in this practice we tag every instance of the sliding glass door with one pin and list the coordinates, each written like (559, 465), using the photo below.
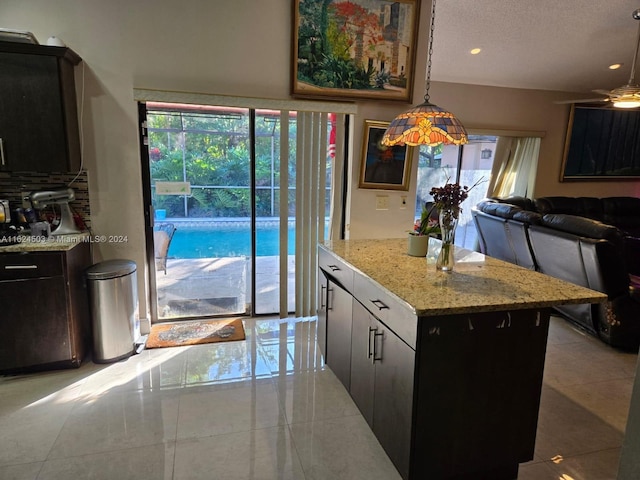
(223, 238)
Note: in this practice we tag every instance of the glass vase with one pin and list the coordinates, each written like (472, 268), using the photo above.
(448, 222)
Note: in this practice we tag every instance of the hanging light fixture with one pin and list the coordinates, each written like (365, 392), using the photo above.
(425, 124)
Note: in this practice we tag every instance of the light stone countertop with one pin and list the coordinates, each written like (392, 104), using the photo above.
(477, 284)
(59, 243)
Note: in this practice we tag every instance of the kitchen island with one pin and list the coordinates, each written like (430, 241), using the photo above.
(445, 367)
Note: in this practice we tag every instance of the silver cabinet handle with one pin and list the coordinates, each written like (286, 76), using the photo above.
(329, 290)
(322, 296)
(2, 161)
(20, 267)
(334, 268)
(380, 304)
(373, 355)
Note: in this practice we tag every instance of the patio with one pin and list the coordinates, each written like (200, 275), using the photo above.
(221, 286)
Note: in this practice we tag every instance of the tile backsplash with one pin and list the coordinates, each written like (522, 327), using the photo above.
(13, 183)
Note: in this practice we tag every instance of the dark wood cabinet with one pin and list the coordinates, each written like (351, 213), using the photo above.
(38, 112)
(338, 347)
(45, 319)
(382, 374)
(321, 331)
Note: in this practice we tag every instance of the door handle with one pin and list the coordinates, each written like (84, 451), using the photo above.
(370, 352)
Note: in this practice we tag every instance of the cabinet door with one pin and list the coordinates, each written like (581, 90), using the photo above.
(32, 124)
(362, 368)
(338, 355)
(321, 331)
(393, 396)
(34, 325)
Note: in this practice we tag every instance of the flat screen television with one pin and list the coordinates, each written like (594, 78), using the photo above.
(602, 143)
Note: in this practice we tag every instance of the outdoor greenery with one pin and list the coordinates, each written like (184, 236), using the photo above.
(212, 152)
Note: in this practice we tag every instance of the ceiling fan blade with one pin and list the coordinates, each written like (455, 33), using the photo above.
(582, 100)
(602, 92)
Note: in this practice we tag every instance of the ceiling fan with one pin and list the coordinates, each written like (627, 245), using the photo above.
(626, 96)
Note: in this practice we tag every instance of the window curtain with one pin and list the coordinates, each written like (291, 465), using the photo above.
(314, 146)
(514, 167)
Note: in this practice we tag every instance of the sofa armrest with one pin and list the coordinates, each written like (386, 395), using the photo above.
(631, 247)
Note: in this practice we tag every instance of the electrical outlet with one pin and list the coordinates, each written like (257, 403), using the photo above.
(382, 202)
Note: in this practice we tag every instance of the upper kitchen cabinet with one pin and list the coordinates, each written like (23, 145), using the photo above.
(38, 112)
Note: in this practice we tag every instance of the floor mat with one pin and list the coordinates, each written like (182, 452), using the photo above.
(177, 334)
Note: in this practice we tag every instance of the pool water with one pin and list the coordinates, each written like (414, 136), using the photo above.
(190, 242)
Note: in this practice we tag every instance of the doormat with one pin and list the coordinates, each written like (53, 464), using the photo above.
(203, 306)
(183, 333)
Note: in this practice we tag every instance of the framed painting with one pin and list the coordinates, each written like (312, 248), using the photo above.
(602, 144)
(382, 167)
(354, 49)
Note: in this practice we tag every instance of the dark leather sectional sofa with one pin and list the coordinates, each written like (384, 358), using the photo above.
(589, 241)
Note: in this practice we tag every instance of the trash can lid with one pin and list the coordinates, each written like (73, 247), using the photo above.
(110, 269)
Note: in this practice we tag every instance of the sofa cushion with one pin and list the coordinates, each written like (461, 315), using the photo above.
(583, 227)
(589, 207)
(522, 202)
(524, 216)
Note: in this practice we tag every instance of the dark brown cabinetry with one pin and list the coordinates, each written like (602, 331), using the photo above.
(38, 113)
(322, 313)
(338, 348)
(334, 320)
(451, 396)
(45, 317)
(382, 368)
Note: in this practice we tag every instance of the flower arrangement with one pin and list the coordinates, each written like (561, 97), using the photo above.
(451, 195)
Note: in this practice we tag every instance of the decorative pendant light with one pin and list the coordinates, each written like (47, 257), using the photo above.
(425, 124)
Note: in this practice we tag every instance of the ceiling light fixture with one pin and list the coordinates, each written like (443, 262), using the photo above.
(475, 51)
(425, 124)
(615, 66)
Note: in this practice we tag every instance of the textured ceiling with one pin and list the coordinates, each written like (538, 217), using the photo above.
(564, 45)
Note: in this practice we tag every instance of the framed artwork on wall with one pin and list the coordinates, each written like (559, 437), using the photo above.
(354, 49)
(381, 167)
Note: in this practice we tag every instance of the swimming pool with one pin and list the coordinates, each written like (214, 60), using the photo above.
(219, 242)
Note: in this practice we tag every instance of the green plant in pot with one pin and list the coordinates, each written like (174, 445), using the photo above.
(425, 227)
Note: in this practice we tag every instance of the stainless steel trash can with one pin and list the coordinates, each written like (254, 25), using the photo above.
(114, 301)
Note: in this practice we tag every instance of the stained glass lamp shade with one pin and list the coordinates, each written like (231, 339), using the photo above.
(425, 124)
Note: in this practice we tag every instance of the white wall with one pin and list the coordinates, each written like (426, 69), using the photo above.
(241, 47)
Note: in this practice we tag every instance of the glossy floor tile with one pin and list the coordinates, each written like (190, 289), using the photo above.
(267, 408)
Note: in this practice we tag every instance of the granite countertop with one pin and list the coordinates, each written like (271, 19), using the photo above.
(477, 284)
(59, 243)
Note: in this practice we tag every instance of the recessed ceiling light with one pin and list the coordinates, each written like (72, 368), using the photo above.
(615, 66)
(475, 51)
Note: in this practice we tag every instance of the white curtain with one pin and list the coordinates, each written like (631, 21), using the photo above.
(311, 162)
(514, 166)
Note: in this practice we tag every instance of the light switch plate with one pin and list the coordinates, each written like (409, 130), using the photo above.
(382, 202)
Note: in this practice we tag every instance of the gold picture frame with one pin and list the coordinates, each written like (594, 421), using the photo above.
(357, 49)
(382, 167)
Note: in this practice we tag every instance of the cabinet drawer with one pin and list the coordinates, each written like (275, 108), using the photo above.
(390, 310)
(17, 266)
(336, 268)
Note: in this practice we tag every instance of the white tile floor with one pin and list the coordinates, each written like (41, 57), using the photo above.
(267, 408)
